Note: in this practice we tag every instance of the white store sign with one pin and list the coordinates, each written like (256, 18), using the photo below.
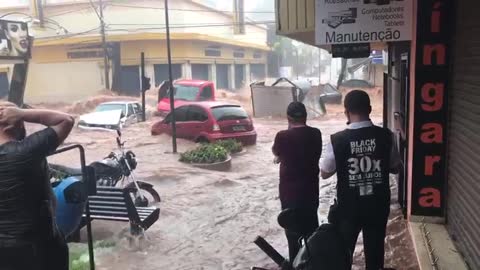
(362, 21)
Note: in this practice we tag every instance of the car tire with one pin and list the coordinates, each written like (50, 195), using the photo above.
(202, 140)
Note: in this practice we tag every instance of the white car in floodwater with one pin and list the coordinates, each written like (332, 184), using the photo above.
(112, 116)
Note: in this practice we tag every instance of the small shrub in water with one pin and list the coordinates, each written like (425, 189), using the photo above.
(231, 145)
(205, 154)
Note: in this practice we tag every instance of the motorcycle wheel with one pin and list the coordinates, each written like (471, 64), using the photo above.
(151, 195)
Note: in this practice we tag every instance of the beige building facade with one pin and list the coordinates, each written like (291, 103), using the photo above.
(67, 55)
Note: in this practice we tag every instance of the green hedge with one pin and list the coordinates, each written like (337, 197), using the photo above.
(205, 154)
(231, 145)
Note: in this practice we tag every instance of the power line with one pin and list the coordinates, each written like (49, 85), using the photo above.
(68, 35)
(104, 45)
(190, 10)
(150, 28)
(69, 11)
(184, 25)
(75, 10)
(95, 9)
(178, 26)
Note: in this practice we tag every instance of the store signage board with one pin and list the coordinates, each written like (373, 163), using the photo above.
(358, 50)
(432, 72)
(362, 21)
(15, 42)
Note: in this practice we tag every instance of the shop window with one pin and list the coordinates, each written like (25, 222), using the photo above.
(84, 54)
(239, 53)
(214, 51)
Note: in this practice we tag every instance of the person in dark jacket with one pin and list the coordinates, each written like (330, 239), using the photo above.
(362, 156)
(29, 238)
(298, 151)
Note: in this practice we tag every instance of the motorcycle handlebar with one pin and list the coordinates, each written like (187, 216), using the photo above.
(270, 251)
(119, 143)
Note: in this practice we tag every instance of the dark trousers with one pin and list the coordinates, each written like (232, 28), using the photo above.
(41, 255)
(309, 222)
(373, 230)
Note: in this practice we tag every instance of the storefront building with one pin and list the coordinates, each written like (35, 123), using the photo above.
(433, 84)
(67, 46)
(463, 170)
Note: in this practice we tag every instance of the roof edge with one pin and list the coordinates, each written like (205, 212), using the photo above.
(42, 42)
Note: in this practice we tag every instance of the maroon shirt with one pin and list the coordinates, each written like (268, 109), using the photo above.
(299, 150)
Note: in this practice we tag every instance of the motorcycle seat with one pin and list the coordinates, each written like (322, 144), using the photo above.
(66, 170)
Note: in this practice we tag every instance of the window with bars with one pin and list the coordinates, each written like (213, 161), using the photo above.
(257, 54)
(214, 51)
(84, 54)
(239, 53)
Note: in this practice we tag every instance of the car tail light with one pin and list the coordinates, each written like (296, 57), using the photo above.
(216, 127)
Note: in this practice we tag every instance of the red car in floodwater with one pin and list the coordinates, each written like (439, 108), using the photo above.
(209, 122)
(187, 91)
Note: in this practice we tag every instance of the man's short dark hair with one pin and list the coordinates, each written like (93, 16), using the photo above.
(297, 111)
(357, 102)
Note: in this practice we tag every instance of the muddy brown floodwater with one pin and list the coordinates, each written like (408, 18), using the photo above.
(209, 219)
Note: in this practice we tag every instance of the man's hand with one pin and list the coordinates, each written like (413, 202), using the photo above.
(10, 117)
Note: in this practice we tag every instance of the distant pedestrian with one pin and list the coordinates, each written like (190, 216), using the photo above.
(298, 151)
(29, 238)
(362, 156)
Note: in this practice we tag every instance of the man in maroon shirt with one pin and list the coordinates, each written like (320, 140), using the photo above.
(298, 151)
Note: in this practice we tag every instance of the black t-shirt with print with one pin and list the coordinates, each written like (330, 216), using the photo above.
(24, 185)
(363, 163)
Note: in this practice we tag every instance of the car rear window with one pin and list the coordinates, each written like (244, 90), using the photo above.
(224, 113)
(110, 107)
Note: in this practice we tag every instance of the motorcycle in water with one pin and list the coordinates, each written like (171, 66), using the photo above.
(117, 170)
(71, 199)
(322, 250)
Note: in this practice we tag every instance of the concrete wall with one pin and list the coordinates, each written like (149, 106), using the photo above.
(63, 82)
(52, 70)
(271, 101)
(182, 51)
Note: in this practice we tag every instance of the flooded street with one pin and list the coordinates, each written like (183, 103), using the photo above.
(209, 219)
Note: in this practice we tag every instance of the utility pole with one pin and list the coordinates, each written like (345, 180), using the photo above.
(170, 81)
(145, 85)
(296, 61)
(105, 49)
(319, 66)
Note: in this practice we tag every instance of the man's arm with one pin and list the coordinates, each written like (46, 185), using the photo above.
(276, 145)
(60, 122)
(328, 166)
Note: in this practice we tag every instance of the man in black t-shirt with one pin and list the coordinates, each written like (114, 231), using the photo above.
(29, 238)
(362, 156)
(298, 151)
